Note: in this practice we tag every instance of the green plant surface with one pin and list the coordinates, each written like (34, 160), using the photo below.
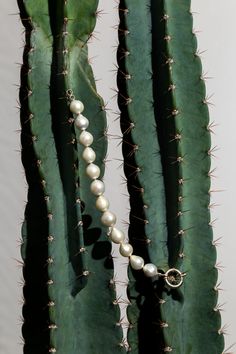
(193, 323)
(70, 305)
(68, 266)
(143, 169)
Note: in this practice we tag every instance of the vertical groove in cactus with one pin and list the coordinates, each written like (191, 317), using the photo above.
(143, 169)
(183, 118)
(68, 266)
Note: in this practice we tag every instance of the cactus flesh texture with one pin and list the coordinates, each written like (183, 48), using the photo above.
(70, 304)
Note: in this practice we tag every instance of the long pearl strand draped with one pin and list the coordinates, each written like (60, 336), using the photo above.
(173, 277)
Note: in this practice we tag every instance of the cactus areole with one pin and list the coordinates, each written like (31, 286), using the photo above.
(70, 300)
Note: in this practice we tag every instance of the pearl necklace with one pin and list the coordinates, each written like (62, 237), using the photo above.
(173, 277)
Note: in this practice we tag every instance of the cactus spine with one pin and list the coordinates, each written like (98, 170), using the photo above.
(70, 303)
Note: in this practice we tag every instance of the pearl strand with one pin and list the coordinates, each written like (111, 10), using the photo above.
(173, 277)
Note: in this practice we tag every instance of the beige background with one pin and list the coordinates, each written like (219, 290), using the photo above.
(217, 25)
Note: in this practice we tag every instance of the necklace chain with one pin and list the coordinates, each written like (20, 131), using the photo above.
(173, 277)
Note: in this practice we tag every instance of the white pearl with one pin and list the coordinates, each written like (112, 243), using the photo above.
(93, 171)
(86, 138)
(126, 249)
(81, 122)
(150, 270)
(89, 155)
(108, 218)
(116, 235)
(102, 203)
(136, 262)
(76, 106)
(97, 187)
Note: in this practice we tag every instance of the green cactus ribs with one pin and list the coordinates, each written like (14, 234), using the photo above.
(143, 170)
(66, 254)
(70, 304)
(64, 136)
(183, 129)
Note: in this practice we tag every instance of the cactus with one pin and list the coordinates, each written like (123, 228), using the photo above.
(70, 304)
(167, 61)
(67, 258)
(143, 168)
